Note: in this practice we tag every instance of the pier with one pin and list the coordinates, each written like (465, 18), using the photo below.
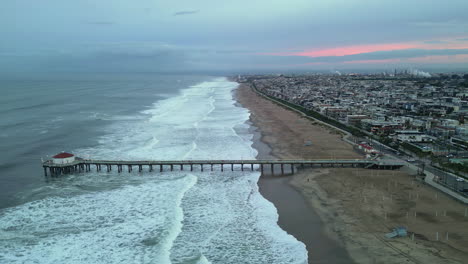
(86, 165)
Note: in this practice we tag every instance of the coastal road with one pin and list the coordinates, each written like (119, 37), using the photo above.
(444, 178)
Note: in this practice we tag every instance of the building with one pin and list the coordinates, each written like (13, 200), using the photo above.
(336, 112)
(63, 158)
(379, 127)
(367, 149)
(355, 120)
(411, 136)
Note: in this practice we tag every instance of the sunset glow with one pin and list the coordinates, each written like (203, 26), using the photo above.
(459, 43)
(358, 49)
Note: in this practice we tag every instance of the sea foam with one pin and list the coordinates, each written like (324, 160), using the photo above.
(171, 217)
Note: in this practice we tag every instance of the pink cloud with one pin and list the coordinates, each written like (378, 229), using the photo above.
(346, 50)
(459, 58)
(452, 43)
(357, 49)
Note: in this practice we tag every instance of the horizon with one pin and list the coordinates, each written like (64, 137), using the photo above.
(232, 37)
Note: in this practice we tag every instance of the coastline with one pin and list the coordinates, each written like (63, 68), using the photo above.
(342, 204)
(301, 220)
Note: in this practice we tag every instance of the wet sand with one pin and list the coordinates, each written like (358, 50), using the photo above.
(342, 214)
(298, 219)
(295, 215)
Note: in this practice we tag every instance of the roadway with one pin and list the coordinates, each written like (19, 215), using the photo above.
(444, 178)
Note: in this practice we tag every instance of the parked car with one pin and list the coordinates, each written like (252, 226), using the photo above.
(460, 179)
(410, 160)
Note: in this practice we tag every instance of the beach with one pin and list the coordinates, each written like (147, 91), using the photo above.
(351, 209)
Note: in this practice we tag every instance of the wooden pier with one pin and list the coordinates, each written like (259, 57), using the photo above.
(86, 165)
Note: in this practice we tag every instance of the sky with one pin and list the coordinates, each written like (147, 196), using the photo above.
(241, 35)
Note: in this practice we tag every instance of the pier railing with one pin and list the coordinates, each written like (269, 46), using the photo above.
(86, 165)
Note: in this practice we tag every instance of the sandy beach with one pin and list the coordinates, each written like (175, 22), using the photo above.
(342, 214)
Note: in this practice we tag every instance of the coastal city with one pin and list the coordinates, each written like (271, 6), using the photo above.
(410, 111)
(409, 115)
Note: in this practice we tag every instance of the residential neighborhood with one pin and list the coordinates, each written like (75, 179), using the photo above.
(416, 112)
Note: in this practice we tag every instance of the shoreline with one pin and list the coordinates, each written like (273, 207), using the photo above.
(355, 207)
(297, 217)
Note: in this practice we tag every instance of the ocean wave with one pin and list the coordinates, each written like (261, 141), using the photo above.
(170, 217)
(129, 224)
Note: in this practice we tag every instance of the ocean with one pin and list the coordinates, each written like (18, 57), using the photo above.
(149, 217)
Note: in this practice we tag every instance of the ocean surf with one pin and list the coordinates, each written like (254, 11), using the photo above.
(170, 217)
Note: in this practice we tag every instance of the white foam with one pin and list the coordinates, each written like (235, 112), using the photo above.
(201, 217)
(129, 224)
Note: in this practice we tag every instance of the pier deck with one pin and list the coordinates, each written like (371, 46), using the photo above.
(85, 165)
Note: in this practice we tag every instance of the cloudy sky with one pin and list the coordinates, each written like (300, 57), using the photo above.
(209, 35)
